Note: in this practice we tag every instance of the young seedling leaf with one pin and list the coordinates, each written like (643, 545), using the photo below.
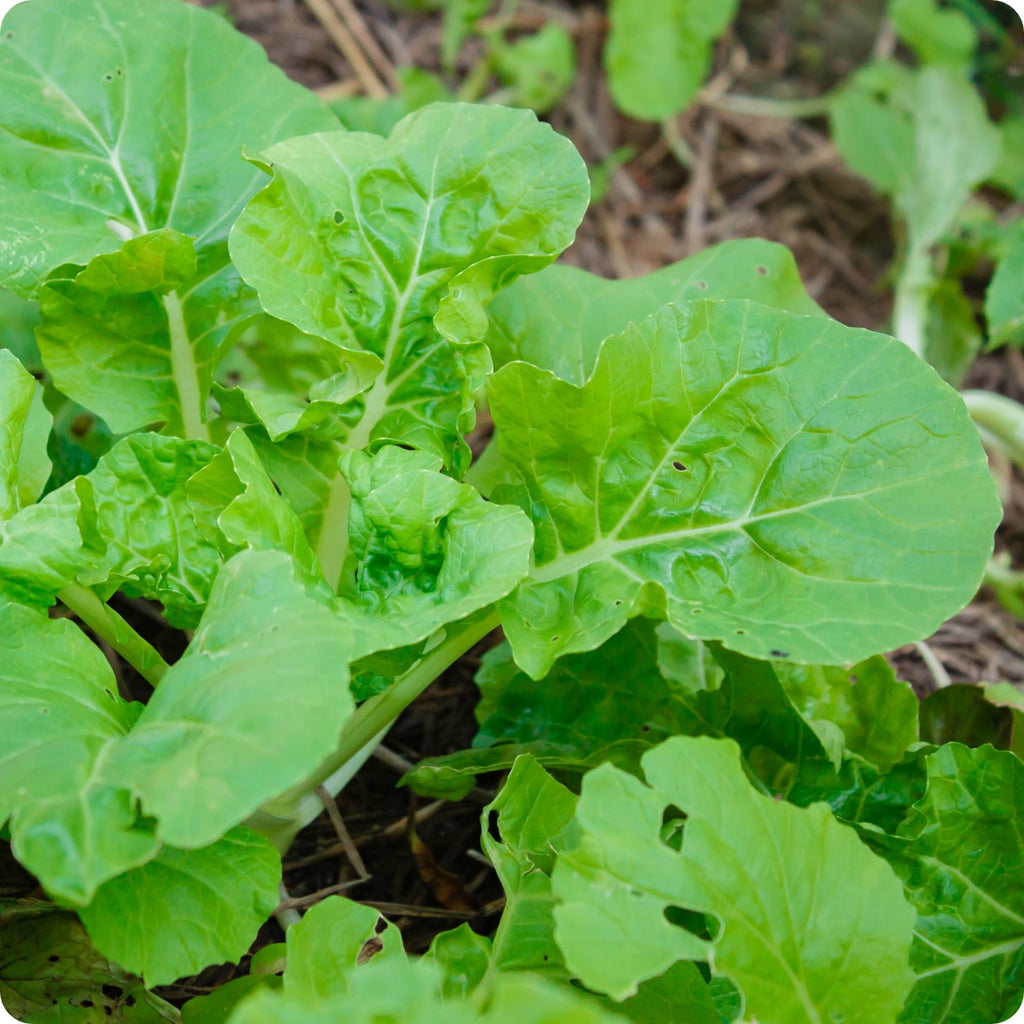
(812, 928)
(792, 487)
(59, 718)
(958, 855)
(120, 120)
(187, 909)
(402, 240)
(659, 51)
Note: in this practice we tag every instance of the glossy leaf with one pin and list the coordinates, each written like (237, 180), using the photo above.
(402, 240)
(958, 855)
(187, 909)
(60, 716)
(120, 120)
(557, 319)
(687, 477)
(812, 928)
(255, 704)
(51, 974)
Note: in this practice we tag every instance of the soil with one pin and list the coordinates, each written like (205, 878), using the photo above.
(748, 176)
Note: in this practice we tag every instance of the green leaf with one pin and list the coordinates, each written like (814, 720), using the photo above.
(416, 88)
(531, 809)
(538, 68)
(659, 51)
(216, 1007)
(964, 714)
(24, 429)
(1004, 304)
(135, 335)
(958, 855)
(687, 476)
(324, 948)
(51, 974)
(679, 996)
(557, 319)
(119, 120)
(60, 716)
(876, 713)
(936, 35)
(462, 958)
(813, 928)
(161, 554)
(18, 320)
(425, 549)
(402, 240)
(187, 909)
(254, 705)
(238, 506)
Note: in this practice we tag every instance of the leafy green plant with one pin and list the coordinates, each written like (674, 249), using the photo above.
(698, 482)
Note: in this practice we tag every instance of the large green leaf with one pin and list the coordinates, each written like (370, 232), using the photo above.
(24, 429)
(187, 909)
(959, 854)
(813, 927)
(402, 240)
(59, 718)
(255, 704)
(558, 318)
(659, 51)
(792, 487)
(120, 119)
(51, 974)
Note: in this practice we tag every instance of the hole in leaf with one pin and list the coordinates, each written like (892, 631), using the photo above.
(339, 217)
(492, 826)
(86, 1003)
(672, 822)
(763, 271)
(698, 924)
(53, 959)
(678, 466)
(112, 991)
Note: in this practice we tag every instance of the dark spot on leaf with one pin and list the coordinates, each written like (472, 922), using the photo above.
(741, 632)
(108, 78)
(555, 639)
(695, 611)
(108, 1011)
(702, 285)
(112, 991)
(53, 959)
(339, 217)
(617, 603)
(545, 958)
(763, 271)
(9, 36)
(44, 711)
(130, 1001)
(853, 680)
(645, 728)
(678, 466)
(780, 654)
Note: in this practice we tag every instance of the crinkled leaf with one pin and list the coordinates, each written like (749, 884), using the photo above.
(255, 704)
(59, 718)
(139, 528)
(426, 224)
(187, 909)
(659, 51)
(462, 958)
(959, 855)
(558, 318)
(120, 120)
(24, 429)
(51, 974)
(687, 476)
(1004, 300)
(812, 928)
(425, 550)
